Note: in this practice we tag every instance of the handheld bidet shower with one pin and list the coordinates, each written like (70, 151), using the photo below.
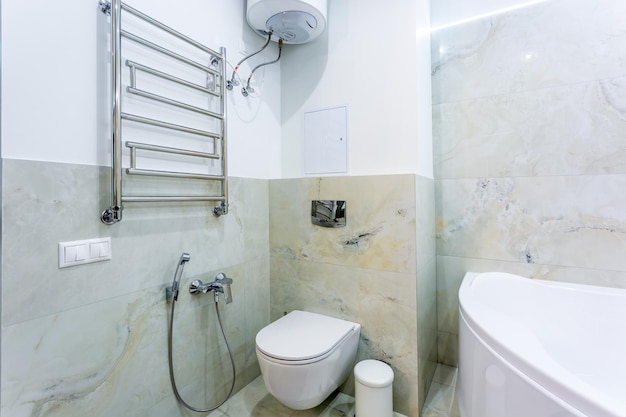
(171, 293)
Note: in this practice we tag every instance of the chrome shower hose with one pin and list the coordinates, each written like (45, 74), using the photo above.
(171, 363)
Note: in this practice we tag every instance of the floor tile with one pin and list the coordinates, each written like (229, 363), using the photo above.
(445, 375)
(255, 401)
(341, 406)
(252, 401)
(441, 400)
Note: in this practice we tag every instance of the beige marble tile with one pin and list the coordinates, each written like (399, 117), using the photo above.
(376, 260)
(380, 229)
(500, 55)
(426, 284)
(425, 231)
(388, 331)
(338, 405)
(93, 340)
(254, 401)
(95, 360)
(566, 130)
(448, 348)
(441, 402)
(528, 152)
(254, 202)
(47, 203)
(446, 375)
(426, 328)
(256, 312)
(519, 219)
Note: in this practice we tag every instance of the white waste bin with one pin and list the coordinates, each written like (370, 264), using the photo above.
(373, 390)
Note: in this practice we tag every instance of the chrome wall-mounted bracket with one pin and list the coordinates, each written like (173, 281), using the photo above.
(220, 209)
(112, 215)
(105, 7)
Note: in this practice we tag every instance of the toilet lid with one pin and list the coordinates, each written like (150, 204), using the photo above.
(301, 335)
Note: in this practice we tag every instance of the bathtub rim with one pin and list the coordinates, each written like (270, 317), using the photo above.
(516, 347)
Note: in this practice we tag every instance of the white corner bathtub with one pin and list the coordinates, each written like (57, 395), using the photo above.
(533, 348)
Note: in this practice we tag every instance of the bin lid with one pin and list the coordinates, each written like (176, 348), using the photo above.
(301, 335)
(373, 373)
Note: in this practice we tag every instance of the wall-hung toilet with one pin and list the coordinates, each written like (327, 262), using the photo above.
(305, 356)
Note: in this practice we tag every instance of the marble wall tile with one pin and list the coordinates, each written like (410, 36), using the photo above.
(426, 328)
(255, 214)
(528, 120)
(47, 203)
(92, 339)
(257, 311)
(349, 293)
(122, 300)
(380, 229)
(544, 220)
(567, 130)
(382, 302)
(50, 368)
(545, 45)
(40, 200)
(426, 284)
(110, 358)
(44, 366)
(375, 271)
(448, 348)
(425, 220)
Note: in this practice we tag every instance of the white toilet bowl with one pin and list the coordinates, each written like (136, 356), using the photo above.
(305, 356)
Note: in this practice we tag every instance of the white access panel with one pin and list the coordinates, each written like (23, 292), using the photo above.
(325, 144)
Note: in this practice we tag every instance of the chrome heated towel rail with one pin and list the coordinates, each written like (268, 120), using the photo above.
(208, 103)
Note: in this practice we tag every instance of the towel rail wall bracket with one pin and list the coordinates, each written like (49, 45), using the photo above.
(215, 71)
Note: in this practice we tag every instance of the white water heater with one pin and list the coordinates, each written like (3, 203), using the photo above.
(293, 21)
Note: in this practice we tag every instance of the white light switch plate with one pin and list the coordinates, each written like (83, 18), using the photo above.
(80, 252)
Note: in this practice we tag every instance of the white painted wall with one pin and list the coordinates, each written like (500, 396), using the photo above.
(55, 81)
(424, 90)
(369, 59)
(55, 89)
